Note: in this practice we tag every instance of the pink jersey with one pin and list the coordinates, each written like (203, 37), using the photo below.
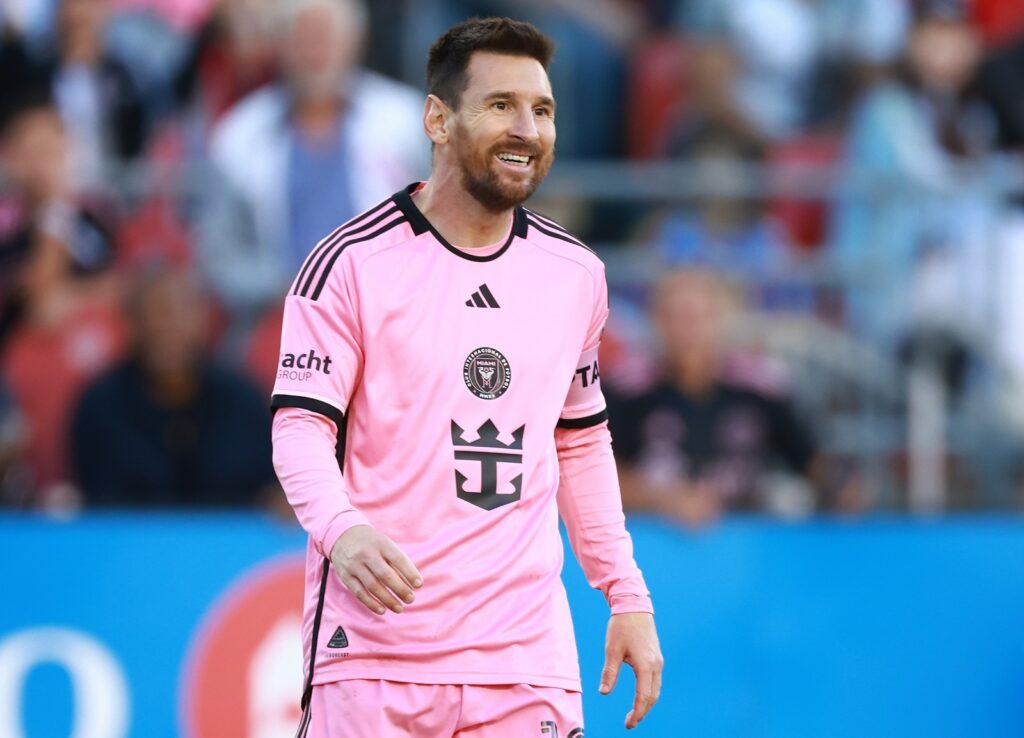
(444, 374)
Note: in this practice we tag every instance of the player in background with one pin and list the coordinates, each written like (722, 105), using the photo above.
(437, 406)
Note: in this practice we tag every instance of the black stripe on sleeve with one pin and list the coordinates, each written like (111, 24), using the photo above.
(556, 234)
(309, 403)
(587, 422)
(345, 240)
(548, 221)
(337, 252)
(338, 233)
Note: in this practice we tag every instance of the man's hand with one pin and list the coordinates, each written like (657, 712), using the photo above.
(374, 569)
(632, 639)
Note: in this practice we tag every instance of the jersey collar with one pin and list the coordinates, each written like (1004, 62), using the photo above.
(421, 225)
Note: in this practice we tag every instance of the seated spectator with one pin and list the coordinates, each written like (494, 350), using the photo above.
(299, 158)
(168, 427)
(98, 99)
(915, 209)
(696, 444)
(59, 318)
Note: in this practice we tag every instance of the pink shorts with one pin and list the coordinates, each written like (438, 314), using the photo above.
(367, 708)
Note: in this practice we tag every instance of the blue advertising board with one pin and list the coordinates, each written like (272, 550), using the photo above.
(160, 626)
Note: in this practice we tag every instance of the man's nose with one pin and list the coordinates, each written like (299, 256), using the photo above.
(524, 127)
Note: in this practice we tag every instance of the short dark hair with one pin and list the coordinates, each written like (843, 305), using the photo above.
(449, 56)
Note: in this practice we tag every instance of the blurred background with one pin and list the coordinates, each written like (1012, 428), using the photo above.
(812, 217)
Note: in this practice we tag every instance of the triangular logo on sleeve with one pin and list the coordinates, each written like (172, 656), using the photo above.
(339, 639)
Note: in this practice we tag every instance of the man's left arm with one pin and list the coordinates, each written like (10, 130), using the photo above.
(591, 506)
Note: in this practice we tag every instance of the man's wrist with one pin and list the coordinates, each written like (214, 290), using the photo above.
(631, 603)
(337, 528)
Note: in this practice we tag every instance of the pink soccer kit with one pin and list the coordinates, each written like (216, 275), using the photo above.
(460, 391)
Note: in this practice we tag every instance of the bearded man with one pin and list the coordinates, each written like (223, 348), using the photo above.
(460, 413)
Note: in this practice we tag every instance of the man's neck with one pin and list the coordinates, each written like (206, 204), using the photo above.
(696, 379)
(316, 119)
(457, 215)
(85, 51)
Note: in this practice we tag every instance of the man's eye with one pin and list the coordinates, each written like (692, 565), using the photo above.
(501, 105)
(542, 112)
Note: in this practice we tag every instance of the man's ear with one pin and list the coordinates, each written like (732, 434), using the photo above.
(437, 119)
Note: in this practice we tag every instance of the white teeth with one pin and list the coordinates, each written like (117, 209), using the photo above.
(514, 158)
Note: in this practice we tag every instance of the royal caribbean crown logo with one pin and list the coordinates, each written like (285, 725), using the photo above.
(491, 454)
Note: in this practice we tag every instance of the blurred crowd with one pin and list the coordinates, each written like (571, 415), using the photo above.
(835, 279)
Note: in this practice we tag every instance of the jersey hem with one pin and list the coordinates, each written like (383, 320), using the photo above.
(326, 675)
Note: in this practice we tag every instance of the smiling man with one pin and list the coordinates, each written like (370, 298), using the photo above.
(430, 465)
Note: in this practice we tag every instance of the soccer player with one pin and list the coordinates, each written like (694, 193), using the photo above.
(438, 404)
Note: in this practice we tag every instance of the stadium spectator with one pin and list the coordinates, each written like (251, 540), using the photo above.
(99, 101)
(912, 217)
(299, 157)
(168, 427)
(59, 320)
(695, 443)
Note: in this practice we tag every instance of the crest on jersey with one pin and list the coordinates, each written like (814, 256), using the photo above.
(487, 373)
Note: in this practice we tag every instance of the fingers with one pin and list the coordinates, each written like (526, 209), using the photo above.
(610, 672)
(403, 565)
(395, 589)
(643, 698)
(375, 570)
(648, 689)
(377, 589)
(356, 587)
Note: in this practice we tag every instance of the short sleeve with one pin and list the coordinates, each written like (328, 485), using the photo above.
(321, 349)
(585, 404)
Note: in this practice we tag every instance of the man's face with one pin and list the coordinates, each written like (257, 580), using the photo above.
(85, 17)
(504, 130)
(170, 323)
(35, 152)
(688, 315)
(319, 50)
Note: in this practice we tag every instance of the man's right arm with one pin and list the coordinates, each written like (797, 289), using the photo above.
(307, 467)
(321, 362)
(366, 561)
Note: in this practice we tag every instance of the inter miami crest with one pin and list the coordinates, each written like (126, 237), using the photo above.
(487, 373)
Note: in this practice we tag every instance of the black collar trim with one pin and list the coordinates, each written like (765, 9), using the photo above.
(421, 225)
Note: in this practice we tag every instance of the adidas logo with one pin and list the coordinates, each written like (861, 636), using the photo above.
(339, 639)
(482, 299)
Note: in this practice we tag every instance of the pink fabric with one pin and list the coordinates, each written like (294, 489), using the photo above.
(304, 444)
(461, 474)
(361, 708)
(590, 503)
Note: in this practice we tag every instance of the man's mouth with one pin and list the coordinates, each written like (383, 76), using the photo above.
(515, 160)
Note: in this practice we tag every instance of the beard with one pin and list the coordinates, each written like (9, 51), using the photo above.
(481, 179)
